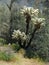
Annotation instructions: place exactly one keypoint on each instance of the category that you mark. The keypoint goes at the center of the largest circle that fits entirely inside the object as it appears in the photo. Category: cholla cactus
(16, 34)
(38, 22)
(19, 35)
(30, 10)
(30, 14)
(24, 37)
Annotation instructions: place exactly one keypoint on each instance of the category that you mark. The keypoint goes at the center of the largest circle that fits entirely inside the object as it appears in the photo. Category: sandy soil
(22, 62)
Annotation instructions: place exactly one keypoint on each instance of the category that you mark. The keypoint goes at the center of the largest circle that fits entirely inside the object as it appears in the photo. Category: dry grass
(20, 60)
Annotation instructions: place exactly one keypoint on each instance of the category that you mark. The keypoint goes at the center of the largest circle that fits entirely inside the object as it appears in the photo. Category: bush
(38, 51)
(5, 56)
(2, 41)
(15, 47)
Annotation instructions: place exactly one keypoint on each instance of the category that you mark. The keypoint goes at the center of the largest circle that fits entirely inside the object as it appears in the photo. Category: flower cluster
(19, 35)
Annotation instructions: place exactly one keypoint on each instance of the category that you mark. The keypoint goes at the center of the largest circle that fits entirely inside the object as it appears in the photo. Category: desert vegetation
(24, 31)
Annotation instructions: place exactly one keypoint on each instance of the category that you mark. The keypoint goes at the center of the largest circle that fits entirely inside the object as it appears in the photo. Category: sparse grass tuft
(15, 47)
(5, 56)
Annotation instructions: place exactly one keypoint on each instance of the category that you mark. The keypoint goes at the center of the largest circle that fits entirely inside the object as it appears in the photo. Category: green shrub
(2, 41)
(15, 47)
(5, 56)
(38, 51)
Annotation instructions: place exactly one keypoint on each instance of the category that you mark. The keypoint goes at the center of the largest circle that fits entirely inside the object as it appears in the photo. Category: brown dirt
(20, 60)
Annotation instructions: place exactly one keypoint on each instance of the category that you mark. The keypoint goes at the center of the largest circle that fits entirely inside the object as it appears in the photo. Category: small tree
(30, 14)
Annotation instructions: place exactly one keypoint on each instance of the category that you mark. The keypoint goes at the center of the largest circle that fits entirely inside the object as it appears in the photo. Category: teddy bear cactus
(31, 15)
(19, 35)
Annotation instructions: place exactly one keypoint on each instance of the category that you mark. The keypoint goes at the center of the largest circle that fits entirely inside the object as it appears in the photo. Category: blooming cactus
(19, 35)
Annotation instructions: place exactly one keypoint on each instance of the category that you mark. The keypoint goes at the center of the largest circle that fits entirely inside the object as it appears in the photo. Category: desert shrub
(2, 41)
(38, 51)
(5, 56)
(15, 47)
(39, 47)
